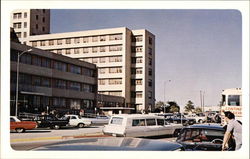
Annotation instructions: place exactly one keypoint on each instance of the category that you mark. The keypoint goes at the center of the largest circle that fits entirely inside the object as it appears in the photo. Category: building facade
(51, 81)
(125, 60)
(28, 22)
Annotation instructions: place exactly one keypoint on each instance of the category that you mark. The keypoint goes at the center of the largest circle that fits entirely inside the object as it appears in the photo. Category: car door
(152, 129)
(73, 121)
(137, 129)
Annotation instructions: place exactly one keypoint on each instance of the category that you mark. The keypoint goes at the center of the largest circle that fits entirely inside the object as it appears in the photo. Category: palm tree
(189, 107)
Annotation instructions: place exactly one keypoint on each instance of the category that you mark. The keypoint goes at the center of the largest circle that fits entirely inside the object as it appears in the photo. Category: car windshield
(116, 120)
(200, 135)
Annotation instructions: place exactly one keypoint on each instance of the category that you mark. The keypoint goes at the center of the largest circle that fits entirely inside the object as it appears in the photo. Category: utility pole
(164, 97)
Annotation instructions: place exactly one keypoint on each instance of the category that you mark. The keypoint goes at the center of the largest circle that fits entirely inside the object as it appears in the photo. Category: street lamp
(17, 74)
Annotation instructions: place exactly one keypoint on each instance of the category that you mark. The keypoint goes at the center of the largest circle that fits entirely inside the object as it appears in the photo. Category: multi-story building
(28, 22)
(125, 60)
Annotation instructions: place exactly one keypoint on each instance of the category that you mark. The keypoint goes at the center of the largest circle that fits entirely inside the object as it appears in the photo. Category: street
(39, 137)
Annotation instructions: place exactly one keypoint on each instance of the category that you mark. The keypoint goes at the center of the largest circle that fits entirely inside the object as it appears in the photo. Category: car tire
(200, 121)
(80, 125)
(56, 127)
(20, 130)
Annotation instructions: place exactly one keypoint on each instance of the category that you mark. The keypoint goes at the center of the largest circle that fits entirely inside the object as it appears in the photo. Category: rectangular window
(75, 69)
(150, 61)
(59, 41)
(102, 59)
(60, 66)
(36, 81)
(17, 25)
(67, 51)
(103, 38)
(150, 122)
(26, 58)
(136, 49)
(77, 40)
(59, 51)
(234, 100)
(95, 39)
(138, 122)
(36, 60)
(138, 94)
(115, 48)
(160, 122)
(24, 34)
(150, 95)
(76, 51)
(95, 60)
(150, 40)
(85, 50)
(136, 81)
(51, 42)
(42, 43)
(46, 62)
(150, 71)
(88, 72)
(25, 15)
(17, 15)
(115, 59)
(102, 49)
(60, 84)
(116, 121)
(34, 43)
(94, 49)
(75, 86)
(25, 24)
(102, 70)
(115, 70)
(115, 81)
(150, 83)
(150, 51)
(85, 39)
(115, 37)
(37, 17)
(68, 41)
(43, 19)
(46, 82)
(101, 81)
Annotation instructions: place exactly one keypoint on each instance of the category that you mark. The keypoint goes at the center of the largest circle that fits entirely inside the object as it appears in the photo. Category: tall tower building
(125, 59)
(27, 22)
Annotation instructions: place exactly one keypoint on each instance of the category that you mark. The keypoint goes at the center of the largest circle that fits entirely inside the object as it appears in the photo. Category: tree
(198, 110)
(189, 107)
(173, 107)
(159, 106)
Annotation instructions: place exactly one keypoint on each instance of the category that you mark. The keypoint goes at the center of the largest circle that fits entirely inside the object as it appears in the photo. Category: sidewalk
(86, 135)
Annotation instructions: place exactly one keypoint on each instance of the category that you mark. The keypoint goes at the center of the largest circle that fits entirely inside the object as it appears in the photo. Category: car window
(12, 120)
(160, 121)
(138, 122)
(73, 117)
(150, 122)
(116, 120)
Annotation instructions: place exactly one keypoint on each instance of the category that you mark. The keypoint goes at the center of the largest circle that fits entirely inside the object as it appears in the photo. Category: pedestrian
(234, 128)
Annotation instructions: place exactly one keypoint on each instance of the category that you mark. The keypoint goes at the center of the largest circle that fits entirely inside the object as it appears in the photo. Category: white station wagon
(77, 121)
(139, 125)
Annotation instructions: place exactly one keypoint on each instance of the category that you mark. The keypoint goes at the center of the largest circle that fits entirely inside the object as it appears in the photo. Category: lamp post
(17, 75)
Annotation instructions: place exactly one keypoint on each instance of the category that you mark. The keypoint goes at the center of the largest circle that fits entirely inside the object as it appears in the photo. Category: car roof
(205, 126)
(137, 116)
(112, 143)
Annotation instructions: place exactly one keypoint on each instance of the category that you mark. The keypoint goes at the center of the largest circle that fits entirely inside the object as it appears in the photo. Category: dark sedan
(112, 144)
(205, 137)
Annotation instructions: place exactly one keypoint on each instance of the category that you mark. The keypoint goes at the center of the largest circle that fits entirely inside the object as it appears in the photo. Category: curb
(59, 137)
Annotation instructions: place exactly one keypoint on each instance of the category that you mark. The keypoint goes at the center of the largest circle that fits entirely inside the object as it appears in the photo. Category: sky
(196, 50)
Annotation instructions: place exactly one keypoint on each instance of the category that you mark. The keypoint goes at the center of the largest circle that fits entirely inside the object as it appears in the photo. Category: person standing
(234, 128)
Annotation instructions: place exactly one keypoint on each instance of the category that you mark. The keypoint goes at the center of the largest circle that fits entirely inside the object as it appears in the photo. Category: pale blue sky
(195, 49)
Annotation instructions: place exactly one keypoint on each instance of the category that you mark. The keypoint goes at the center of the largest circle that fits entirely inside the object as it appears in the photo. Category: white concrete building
(28, 22)
(125, 60)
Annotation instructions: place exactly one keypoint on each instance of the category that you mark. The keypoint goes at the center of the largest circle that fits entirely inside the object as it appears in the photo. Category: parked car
(112, 144)
(20, 126)
(139, 125)
(198, 118)
(77, 121)
(202, 137)
(98, 120)
(51, 121)
(178, 119)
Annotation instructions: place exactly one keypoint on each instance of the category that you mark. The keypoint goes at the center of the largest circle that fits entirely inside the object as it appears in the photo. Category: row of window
(103, 59)
(53, 64)
(111, 81)
(110, 70)
(76, 40)
(147, 122)
(33, 80)
(139, 60)
(19, 15)
(86, 50)
(112, 93)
